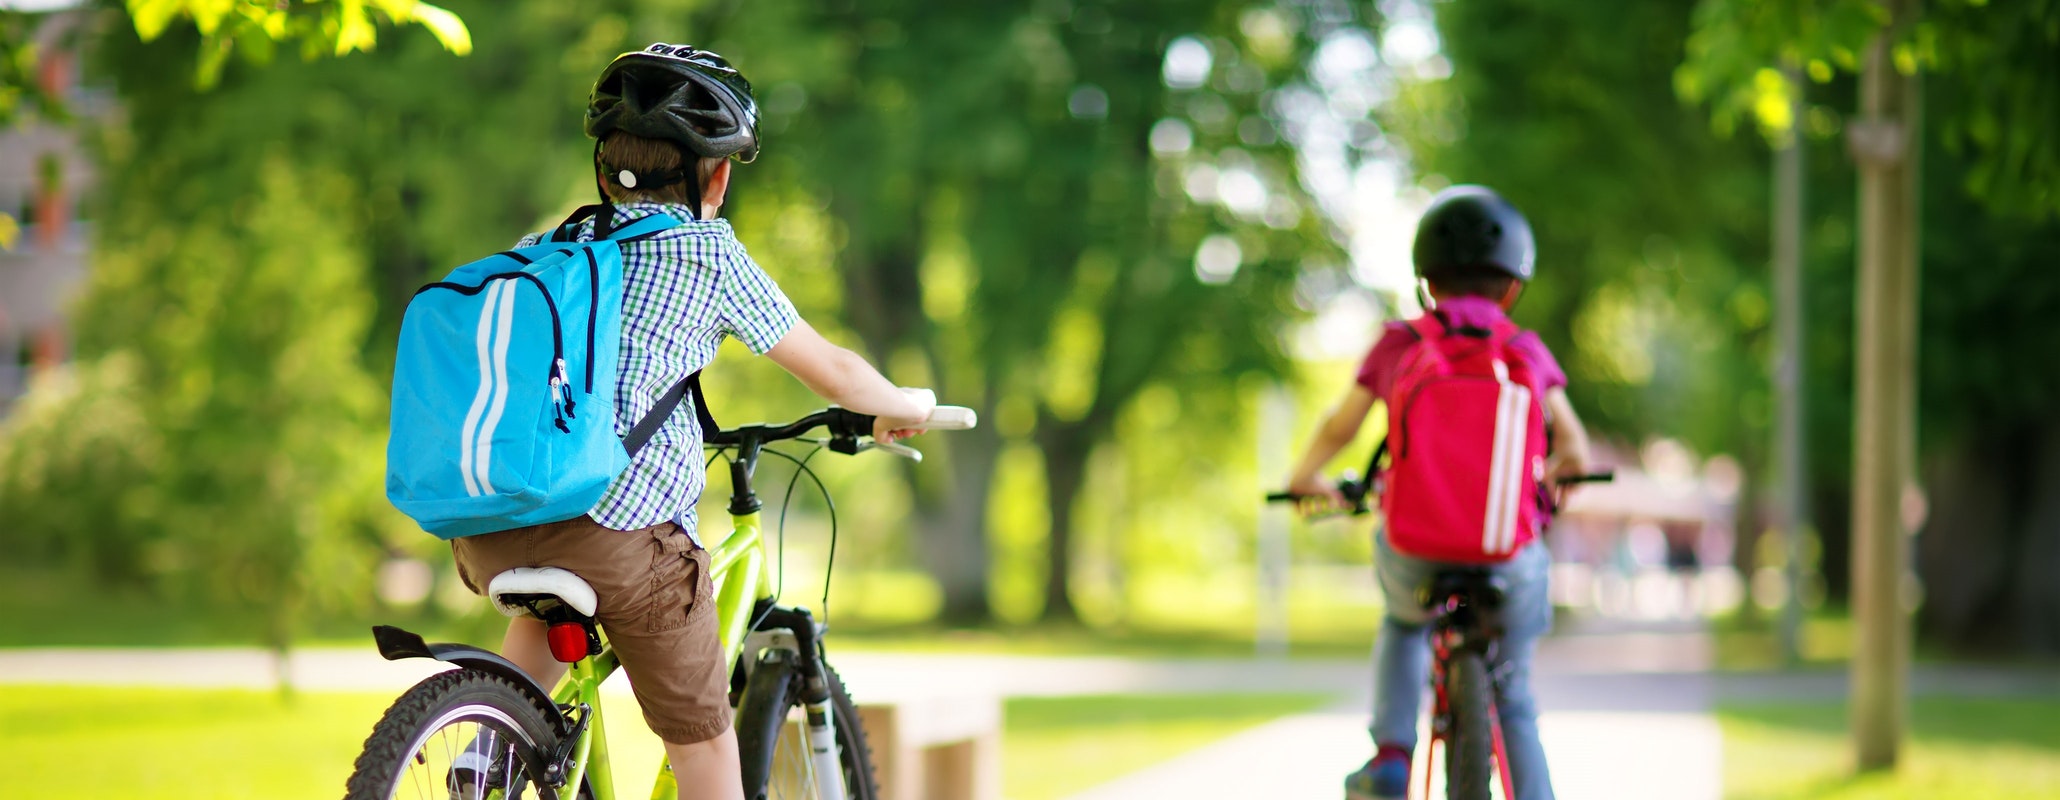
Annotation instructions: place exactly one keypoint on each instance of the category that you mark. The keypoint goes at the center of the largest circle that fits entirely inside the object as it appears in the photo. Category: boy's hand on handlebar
(1317, 496)
(1559, 472)
(890, 428)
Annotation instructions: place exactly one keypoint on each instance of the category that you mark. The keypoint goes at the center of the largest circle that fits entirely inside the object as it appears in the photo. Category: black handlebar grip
(1282, 497)
(1604, 476)
(849, 424)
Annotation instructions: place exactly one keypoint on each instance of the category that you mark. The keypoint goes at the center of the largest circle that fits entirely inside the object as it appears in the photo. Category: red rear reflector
(568, 641)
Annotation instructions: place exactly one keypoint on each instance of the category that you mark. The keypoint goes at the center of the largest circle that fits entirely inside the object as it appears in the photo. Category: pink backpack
(1466, 438)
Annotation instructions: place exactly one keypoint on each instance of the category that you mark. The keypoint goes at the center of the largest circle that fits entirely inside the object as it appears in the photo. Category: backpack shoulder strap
(644, 228)
(641, 433)
(1427, 327)
(1380, 451)
(570, 227)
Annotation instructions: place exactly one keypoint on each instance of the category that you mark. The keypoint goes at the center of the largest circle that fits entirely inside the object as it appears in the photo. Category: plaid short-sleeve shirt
(683, 291)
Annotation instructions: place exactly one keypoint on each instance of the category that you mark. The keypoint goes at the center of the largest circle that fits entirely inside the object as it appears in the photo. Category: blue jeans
(1402, 658)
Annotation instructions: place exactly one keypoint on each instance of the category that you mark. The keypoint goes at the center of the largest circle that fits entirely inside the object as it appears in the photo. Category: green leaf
(151, 17)
(445, 26)
(354, 29)
(214, 52)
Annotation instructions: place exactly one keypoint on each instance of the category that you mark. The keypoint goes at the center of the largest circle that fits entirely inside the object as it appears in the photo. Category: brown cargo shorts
(656, 605)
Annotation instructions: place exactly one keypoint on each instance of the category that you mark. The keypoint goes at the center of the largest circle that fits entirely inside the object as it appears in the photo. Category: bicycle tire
(773, 749)
(1470, 751)
(403, 740)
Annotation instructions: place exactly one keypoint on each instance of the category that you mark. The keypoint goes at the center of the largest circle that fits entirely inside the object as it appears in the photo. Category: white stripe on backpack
(1505, 464)
(500, 404)
(467, 434)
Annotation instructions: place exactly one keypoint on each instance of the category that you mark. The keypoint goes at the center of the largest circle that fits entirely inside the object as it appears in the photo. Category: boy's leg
(1402, 654)
(527, 644)
(1518, 710)
(1401, 675)
(708, 770)
(1527, 615)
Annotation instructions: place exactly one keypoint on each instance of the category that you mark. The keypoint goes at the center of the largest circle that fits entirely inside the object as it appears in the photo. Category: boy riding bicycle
(1475, 252)
(667, 120)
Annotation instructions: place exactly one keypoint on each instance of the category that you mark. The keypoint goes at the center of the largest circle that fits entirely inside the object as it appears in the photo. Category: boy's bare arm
(1570, 454)
(843, 377)
(1337, 430)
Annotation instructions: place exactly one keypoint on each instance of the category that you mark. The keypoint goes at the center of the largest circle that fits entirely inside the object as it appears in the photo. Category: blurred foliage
(256, 28)
(985, 212)
(1008, 237)
(228, 457)
(1991, 120)
(1995, 59)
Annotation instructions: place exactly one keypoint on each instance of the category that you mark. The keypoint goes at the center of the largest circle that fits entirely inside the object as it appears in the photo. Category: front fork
(795, 630)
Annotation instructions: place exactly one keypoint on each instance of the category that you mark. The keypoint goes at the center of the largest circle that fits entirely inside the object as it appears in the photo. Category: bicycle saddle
(1478, 587)
(539, 591)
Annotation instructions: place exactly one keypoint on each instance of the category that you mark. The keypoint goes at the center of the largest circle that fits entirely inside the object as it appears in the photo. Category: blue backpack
(504, 386)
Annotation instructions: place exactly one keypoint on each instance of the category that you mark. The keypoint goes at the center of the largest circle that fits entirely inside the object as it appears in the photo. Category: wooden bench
(936, 748)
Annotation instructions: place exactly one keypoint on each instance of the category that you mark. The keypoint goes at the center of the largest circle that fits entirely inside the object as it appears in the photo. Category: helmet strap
(648, 181)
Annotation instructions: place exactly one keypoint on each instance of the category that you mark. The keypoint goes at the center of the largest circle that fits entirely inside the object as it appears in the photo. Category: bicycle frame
(741, 574)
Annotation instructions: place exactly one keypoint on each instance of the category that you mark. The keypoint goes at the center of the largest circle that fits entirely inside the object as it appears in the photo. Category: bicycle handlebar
(846, 427)
(1356, 490)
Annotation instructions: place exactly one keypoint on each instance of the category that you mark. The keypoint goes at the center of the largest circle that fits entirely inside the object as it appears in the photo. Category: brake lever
(902, 450)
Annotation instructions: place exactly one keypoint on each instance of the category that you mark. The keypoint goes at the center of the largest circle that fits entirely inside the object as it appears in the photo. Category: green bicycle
(487, 731)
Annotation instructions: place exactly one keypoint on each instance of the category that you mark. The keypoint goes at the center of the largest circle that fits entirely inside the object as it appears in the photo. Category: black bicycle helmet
(1472, 226)
(677, 93)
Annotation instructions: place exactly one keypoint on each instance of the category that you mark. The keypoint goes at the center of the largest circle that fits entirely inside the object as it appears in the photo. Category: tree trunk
(1747, 525)
(2035, 594)
(1066, 448)
(1964, 553)
(952, 525)
(883, 305)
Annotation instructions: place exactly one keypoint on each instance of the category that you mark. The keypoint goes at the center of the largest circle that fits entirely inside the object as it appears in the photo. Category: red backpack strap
(1428, 328)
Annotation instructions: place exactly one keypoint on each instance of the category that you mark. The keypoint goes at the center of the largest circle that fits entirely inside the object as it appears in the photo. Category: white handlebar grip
(952, 418)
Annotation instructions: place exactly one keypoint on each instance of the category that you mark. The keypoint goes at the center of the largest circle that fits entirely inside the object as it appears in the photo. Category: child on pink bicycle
(1470, 399)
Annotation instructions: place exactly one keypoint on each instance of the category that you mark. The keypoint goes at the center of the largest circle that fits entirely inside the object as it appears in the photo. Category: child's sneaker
(475, 772)
(1385, 777)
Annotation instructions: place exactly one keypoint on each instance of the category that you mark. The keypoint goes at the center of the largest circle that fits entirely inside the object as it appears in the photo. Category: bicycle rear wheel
(459, 735)
(772, 737)
(1469, 752)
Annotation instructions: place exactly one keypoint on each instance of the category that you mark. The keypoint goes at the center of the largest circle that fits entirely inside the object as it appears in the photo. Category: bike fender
(396, 644)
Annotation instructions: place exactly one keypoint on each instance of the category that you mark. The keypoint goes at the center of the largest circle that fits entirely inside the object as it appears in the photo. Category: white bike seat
(570, 589)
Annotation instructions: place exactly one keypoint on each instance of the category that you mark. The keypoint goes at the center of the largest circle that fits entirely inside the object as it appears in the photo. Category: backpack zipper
(593, 310)
(561, 389)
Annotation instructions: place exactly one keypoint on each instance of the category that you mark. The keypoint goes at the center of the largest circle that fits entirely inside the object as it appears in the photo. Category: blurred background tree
(1990, 454)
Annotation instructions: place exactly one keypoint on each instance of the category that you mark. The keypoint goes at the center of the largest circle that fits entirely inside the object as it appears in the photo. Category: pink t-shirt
(1377, 374)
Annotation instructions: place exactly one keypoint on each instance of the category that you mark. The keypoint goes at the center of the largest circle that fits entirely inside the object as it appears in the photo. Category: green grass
(172, 744)
(152, 743)
(1826, 640)
(1054, 747)
(1958, 748)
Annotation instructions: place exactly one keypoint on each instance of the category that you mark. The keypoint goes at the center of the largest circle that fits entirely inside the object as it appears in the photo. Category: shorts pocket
(674, 576)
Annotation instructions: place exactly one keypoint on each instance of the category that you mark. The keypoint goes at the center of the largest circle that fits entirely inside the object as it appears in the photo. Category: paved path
(1627, 716)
